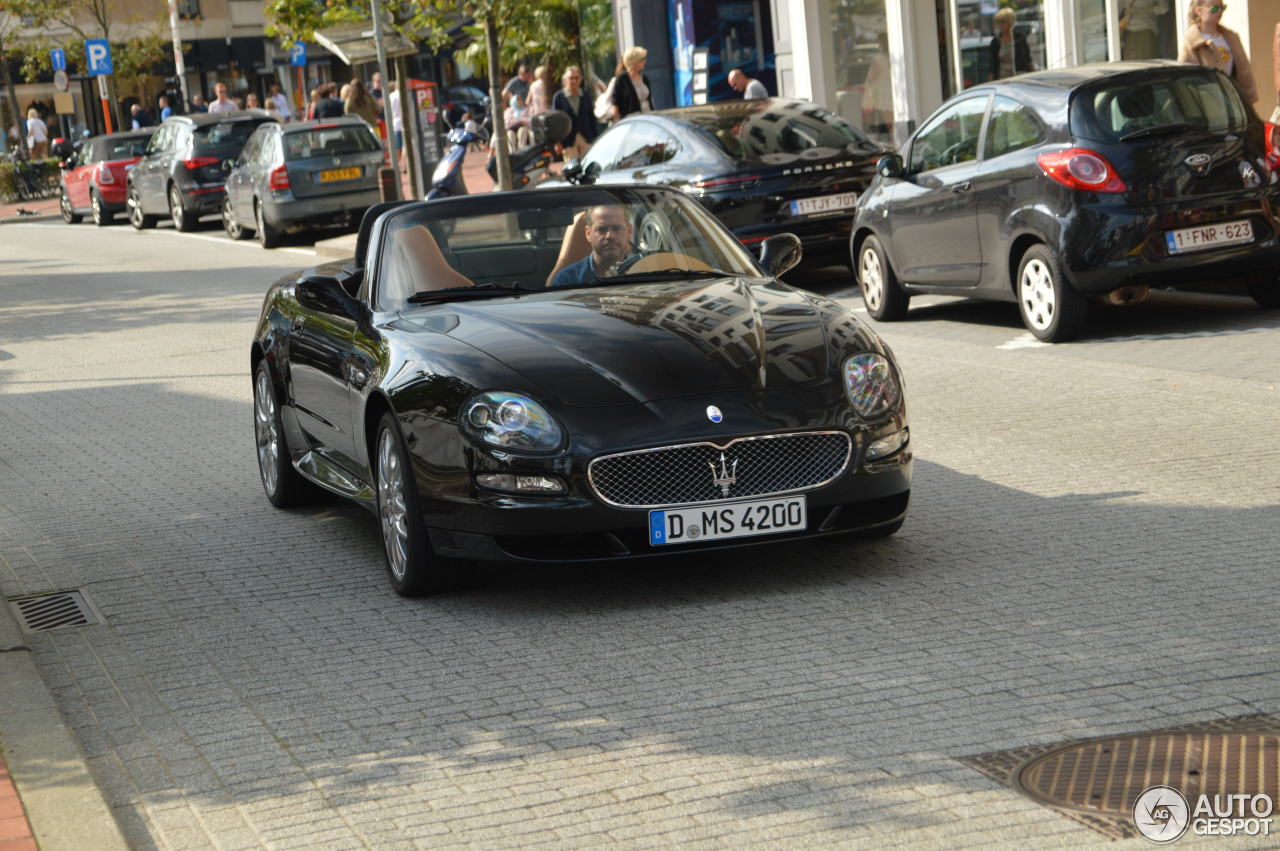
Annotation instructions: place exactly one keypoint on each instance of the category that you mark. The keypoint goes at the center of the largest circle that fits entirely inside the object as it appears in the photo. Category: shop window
(1148, 29)
(864, 94)
(189, 9)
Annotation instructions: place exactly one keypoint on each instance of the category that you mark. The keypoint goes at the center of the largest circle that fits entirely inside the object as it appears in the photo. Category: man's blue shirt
(582, 272)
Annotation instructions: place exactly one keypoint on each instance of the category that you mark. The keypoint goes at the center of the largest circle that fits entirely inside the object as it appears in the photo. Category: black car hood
(642, 342)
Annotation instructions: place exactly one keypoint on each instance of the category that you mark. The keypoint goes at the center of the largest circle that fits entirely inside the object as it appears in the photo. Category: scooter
(531, 164)
(446, 180)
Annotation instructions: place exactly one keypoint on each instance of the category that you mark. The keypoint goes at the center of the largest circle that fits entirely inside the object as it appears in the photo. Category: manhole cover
(1106, 776)
(43, 612)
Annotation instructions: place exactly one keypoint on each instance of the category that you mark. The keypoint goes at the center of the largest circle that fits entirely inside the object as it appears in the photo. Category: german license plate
(339, 174)
(1208, 236)
(733, 520)
(824, 204)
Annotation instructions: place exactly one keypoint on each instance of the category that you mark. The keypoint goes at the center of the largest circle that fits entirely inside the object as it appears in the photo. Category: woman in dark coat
(631, 90)
(1010, 53)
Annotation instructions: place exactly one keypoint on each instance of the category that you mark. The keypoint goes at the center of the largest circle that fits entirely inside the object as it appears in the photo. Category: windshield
(551, 239)
(1191, 100)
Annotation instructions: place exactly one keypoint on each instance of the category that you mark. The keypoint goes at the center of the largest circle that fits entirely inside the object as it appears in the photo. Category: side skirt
(333, 477)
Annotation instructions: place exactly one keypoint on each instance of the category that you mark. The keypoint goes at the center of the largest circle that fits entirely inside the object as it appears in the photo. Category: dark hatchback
(762, 167)
(300, 175)
(181, 175)
(1096, 181)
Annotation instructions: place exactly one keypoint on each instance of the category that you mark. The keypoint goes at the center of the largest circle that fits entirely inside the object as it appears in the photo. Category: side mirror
(572, 169)
(890, 165)
(325, 294)
(780, 253)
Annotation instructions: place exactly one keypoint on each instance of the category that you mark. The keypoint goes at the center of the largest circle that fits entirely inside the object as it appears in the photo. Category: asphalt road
(1091, 549)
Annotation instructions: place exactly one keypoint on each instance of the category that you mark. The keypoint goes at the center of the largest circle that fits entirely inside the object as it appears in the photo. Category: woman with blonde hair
(37, 135)
(1212, 45)
(1010, 53)
(631, 90)
(539, 91)
(360, 102)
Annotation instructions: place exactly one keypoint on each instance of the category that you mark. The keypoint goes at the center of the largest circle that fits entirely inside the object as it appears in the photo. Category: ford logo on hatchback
(1198, 163)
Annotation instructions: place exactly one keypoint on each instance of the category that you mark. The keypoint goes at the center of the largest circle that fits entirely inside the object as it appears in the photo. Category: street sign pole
(106, 101)
(382, 69)
(180, 67)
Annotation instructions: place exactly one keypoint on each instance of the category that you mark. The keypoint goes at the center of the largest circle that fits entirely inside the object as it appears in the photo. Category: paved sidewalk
(15, 830)
(43, 209)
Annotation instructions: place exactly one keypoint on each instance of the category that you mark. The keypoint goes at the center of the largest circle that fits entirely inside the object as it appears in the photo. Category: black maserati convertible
(508, 377)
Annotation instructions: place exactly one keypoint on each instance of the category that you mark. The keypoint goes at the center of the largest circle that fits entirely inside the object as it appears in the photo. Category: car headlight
(870, 384)
(511, 421)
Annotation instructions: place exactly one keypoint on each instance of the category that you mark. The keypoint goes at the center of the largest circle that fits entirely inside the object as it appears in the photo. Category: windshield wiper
(1159, 130)
(478, 291)
(666, 274)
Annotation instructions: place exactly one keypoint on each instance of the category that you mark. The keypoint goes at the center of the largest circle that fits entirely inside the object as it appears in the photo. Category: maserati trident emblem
(713, 414)
(726, 476)
(1198, 163)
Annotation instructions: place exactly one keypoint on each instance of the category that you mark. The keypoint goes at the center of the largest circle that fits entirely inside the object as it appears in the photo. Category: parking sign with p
(97, 54)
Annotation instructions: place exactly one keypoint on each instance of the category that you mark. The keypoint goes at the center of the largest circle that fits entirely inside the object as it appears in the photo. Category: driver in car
(609, 234)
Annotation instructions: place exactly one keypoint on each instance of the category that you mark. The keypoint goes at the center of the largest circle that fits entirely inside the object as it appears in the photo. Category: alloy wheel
(392, 510)
(229, 223)
(176, 211)
(65, 205)
(264, 427)
(871, 276)
(135, 210)
(95, 203)
(1035, 291)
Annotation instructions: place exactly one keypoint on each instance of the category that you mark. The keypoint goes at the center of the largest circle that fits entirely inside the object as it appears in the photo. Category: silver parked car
(294, 176)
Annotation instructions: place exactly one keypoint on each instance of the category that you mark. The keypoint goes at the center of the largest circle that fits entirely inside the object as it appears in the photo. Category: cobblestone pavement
(1091, 549)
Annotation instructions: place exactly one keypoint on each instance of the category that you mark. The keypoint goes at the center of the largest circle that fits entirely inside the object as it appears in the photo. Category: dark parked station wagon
(1095, 181)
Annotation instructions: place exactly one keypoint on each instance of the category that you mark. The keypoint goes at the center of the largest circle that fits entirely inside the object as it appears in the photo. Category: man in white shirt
(751, 89)
(282, 103)
(222, 103)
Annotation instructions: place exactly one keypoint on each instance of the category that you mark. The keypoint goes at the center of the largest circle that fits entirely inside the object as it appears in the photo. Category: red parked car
(93, 181)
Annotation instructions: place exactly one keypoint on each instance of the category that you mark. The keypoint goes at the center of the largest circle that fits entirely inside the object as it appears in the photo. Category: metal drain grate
(1096, 782)
(43, 612)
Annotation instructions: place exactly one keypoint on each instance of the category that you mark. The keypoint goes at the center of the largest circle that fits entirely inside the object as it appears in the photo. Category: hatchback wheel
(101, 217)
(1051, 309)
(182, 220)
(137, 218)
(268, 236)
(68, 214)
(284, 485)
(230, 223)
(413, 568)
(884, 298)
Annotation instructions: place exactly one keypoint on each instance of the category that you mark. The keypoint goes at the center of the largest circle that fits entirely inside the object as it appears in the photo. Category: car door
(152, 182)
(1006, 180)
(77, 178)
(240, 180)
(141, 175)
(934, 226)
(319, 362)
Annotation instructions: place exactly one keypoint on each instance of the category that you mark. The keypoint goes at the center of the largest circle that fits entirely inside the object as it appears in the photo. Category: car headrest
(1136, 103)
(366, 228)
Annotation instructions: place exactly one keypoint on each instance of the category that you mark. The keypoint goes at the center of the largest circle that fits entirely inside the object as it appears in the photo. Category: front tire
(284, 486)
(413, 568)
(268, 236)
(230, 223)
(68, 214)
(137, 218)
(1051, 309)
(885, 300)
(182, 220)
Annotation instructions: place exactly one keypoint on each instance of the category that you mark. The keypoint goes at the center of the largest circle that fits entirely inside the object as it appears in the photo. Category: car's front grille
(700, 472)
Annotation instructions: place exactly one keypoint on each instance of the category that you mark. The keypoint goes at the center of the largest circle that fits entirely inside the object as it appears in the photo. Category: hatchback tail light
(103, 176)
(199, 162)
(1272, 133)
(730, 181)
(278, 179)
(1080, 168)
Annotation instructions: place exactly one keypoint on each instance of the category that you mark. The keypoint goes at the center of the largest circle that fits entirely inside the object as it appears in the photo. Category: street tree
(15, 17)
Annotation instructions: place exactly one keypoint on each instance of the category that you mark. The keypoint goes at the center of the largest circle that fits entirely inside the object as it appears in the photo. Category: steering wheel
(625, 266)
(660, 260)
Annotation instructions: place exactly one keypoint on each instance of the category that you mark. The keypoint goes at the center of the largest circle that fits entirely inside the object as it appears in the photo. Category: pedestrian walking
(222, 101)
(516, 122)
(375, 87)
(518, 85)
(575, 102)
(1010, 53)
(1207, 42)
(198, 104)
(751, 89)
(251, 101)
(283, 107)
(360, 102)
(631, 90)
(540, 91)
(139, 117)
(165, 109)
(397, 122)
(37, 135)
(329, 106)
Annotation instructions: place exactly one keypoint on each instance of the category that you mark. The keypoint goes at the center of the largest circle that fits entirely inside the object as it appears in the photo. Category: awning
(354, 44)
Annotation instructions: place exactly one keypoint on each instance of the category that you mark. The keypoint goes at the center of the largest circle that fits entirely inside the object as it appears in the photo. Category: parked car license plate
(824, 204)
(1208, 236)
(339, 174)
(732, 520)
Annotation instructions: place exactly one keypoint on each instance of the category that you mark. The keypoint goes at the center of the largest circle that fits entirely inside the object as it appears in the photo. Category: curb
(39, 217)
(64, 806)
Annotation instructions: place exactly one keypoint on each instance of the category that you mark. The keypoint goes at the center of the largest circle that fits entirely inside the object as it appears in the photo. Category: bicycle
(34, 181)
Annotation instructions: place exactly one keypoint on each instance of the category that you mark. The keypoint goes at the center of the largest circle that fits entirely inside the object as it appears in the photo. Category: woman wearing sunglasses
(1209, 43)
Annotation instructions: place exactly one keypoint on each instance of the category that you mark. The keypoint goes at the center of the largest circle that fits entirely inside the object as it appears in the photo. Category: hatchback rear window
(225, 133)
(329, 141)
(1159, 105)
